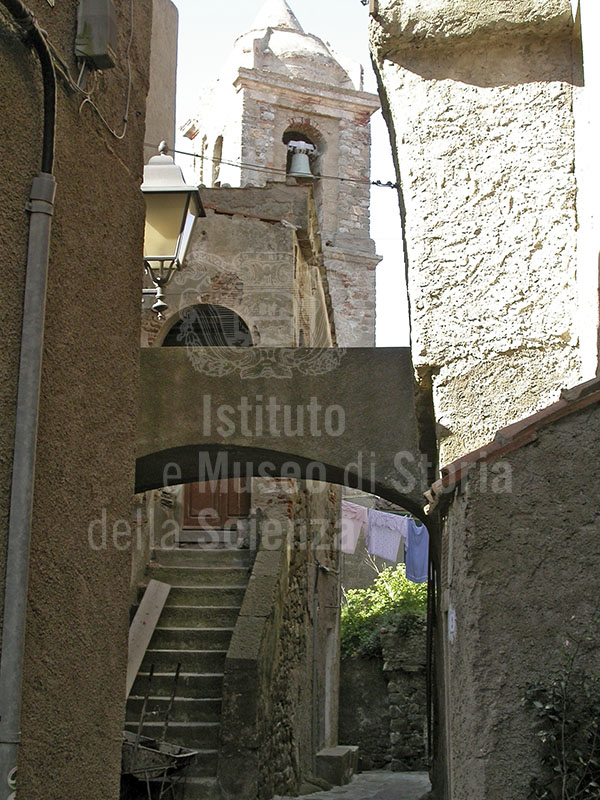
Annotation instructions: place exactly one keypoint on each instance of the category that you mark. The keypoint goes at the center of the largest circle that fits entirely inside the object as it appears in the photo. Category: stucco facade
(519, 588)
(492, 159)
(77, 612)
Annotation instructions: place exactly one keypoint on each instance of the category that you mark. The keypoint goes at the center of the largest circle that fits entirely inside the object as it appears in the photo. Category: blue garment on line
(417, 552)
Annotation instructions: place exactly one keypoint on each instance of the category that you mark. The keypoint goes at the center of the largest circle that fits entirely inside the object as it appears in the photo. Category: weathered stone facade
(282, 82)
(404, 669)
(479, 99)
(280, 694)
(257, 252)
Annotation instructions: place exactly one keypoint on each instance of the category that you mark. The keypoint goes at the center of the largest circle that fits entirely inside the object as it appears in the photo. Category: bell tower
(286, 110)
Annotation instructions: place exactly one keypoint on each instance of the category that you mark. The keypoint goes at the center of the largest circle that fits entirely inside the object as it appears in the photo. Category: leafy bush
(391, 600)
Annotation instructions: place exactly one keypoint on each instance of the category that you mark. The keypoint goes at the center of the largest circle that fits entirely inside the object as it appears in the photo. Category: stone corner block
(338, 764)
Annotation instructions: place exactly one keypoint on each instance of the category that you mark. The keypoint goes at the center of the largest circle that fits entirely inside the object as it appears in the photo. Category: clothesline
(387, 535)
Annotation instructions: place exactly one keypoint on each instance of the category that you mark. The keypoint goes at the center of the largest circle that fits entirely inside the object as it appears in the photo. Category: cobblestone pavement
(376, 785)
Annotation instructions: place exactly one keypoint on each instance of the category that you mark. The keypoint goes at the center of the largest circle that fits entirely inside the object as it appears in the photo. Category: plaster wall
(77, 613)
(587, 171)
(160, 119)
(521, 583)
(479, 101)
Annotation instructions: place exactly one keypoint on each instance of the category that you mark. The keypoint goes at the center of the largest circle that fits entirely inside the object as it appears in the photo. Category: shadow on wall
(514, 61)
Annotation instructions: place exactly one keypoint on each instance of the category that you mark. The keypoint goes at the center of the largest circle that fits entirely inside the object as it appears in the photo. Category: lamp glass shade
(166, 215)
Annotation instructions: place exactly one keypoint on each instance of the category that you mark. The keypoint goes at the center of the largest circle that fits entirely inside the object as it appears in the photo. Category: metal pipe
(25, 19)
(21, 499)
(41, 209)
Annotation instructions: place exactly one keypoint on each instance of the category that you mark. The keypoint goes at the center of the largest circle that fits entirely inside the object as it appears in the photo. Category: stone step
(197, 557)
(188, 616)
(194, 735)
(199, 576)
(204, 765)
(227, 538)
(201, 789)
(191, 638)
(201, 662)
(190, 684)
(185, 709)
(205, 596)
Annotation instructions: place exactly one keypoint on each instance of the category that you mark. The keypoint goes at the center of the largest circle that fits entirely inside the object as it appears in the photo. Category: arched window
(207, 325)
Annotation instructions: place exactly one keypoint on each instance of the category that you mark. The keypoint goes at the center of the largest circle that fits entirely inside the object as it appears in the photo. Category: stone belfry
(283, 85)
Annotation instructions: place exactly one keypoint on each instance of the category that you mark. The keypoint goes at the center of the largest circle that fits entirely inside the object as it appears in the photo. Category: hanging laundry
(353, 519)
(417, 553)
(386, 533)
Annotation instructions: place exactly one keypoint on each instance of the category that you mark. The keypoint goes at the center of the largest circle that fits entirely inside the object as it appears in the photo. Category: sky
(205, 41)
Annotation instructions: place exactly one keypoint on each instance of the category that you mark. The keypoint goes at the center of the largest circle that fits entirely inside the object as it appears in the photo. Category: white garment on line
(386, 533)
(353, 519)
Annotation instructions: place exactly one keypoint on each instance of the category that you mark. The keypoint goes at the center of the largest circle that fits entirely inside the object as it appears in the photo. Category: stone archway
(341, 416)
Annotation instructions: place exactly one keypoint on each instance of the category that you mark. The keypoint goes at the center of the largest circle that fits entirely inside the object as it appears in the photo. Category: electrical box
(97, 32)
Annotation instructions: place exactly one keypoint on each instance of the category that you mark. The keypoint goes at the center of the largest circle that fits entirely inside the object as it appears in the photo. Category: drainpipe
(40, 208)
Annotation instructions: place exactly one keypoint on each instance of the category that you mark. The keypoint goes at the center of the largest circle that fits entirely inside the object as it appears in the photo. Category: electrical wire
(63, 70)
(89, 101)
(278, 170)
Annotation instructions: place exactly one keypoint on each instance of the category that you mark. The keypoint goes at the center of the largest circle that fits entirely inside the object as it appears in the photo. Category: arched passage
(257, 411)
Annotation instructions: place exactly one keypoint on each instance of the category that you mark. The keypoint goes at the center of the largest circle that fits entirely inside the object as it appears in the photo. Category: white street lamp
(172, 207)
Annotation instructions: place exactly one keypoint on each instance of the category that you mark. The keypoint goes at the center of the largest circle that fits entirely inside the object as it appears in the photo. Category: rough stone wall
(272, 685)
(522, 581)
(479, 101)
(404, 669)
(365, 711)
(256, 253)
(382, 702)
(77, 616)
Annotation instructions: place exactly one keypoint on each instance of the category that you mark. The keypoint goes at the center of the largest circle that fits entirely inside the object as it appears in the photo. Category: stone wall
(521, 585)
(77, 614)
(382, 702)
(404, 669)
(257, 252)
(280, 689)
(479, 101)
(365, 711)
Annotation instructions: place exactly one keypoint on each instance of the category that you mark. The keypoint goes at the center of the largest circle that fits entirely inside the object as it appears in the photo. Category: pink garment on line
(353, 519)
(386, 533)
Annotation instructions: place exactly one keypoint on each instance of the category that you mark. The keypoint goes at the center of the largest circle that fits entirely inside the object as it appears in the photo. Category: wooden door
(212, 504)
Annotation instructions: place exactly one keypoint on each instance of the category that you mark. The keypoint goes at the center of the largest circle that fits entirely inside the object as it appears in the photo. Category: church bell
(300, 164)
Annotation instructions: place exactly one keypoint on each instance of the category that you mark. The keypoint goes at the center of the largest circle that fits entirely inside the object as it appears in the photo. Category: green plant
(566, 721)
(391, 600)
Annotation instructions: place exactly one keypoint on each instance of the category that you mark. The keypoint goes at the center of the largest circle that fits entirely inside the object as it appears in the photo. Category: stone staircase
(194, 630)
